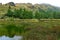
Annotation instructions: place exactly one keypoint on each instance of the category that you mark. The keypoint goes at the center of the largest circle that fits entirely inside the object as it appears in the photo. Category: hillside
(44, 7)
(47, 9)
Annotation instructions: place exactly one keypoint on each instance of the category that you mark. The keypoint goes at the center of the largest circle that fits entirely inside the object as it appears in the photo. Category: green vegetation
(22, 13)
(33, 22)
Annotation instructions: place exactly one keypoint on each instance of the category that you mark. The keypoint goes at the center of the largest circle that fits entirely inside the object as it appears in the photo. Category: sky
(52, 2)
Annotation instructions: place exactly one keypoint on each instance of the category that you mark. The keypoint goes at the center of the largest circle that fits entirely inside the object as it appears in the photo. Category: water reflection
(8, 38)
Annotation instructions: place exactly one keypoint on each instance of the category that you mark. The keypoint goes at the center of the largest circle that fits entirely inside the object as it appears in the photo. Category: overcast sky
(52, 2)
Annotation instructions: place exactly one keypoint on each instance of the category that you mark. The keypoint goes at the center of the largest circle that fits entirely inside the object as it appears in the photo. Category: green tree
(37, 15)
(9, 12)
(16, 13)
(27, 14)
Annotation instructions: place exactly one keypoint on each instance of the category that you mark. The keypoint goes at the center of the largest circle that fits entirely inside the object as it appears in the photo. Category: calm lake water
(8, 38)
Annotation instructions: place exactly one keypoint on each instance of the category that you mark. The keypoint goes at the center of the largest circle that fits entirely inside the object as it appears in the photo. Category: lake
(8, 38)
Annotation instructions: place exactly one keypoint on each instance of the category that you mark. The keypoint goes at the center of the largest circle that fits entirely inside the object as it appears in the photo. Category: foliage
(23, 13)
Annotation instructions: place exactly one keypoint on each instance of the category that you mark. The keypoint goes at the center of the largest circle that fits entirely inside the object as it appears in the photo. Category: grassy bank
(31, 29)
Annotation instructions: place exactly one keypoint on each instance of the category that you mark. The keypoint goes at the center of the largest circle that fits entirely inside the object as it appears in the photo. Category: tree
(57, 15)
(9, 13)
(27, 14)
(37, 15)
(16, 14)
